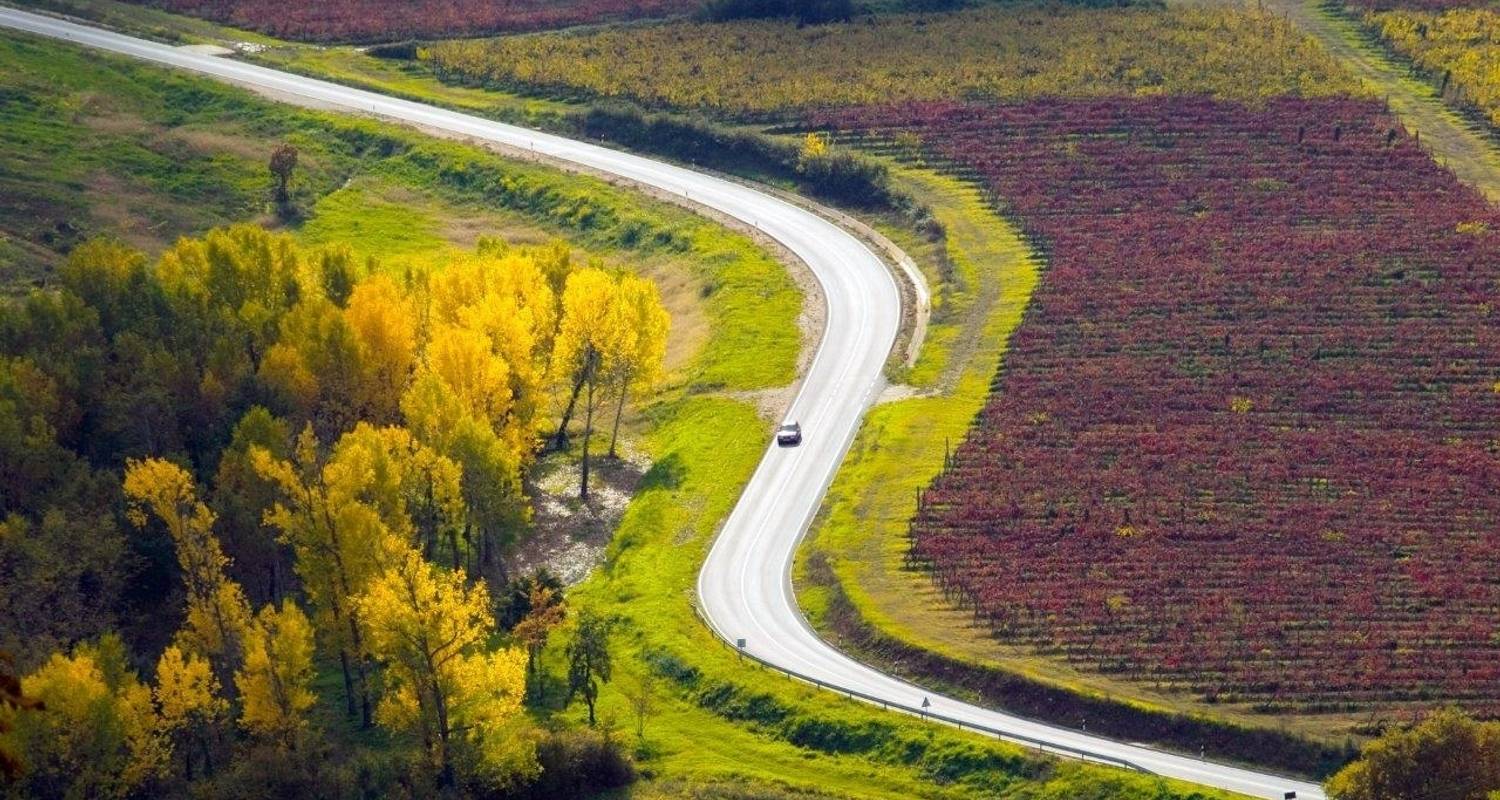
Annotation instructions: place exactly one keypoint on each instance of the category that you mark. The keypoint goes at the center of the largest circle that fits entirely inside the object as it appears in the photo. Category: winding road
(745, 587)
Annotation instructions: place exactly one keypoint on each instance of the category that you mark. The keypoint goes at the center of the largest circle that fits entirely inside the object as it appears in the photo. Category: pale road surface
(745, 587)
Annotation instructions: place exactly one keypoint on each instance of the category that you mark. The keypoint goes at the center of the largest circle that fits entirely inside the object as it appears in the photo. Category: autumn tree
(189, 707)
(275, 681)
(283, 162)
(217, 612)
(241, 497)
(545, 613)
(12, 702)
(1448, 755)
(338, 540)
(589, 339)
(429, 627)
(479, 385)
(345, 516)
(98, 735)
(385, 331)
(589, 663)
(641, 346)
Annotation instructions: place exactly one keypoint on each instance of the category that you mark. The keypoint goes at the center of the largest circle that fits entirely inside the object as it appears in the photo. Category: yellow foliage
(385, 326)
(429, 627)
(187, 693)
(993, 53)
(99, 730)
(278, 670)
(1461, 43)
(217, 611)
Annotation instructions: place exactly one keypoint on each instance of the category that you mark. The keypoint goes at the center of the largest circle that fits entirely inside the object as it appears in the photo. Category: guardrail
(1049, 748)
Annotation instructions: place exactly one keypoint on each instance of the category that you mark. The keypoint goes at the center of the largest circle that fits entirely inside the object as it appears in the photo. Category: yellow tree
(588, 339)
(274, 683)
(385, 329)
(97, 734)
(343, 517)
(188, 705)
(337, 540)
(429, 627)
(641, 346)
(217, 612)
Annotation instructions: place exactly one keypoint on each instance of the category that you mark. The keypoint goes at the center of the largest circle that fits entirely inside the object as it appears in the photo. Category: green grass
(99, 145)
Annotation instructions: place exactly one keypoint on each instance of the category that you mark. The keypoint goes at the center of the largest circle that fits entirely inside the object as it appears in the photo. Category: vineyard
(773, 67)
(1244, 443)
(387, 20)
(1459, 47)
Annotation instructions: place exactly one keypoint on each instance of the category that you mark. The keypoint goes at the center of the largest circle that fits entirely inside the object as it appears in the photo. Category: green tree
(12, 702)
(589, 662)
(1448, 756)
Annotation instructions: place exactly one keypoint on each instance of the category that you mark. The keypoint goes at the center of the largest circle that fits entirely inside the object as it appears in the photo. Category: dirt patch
(569, 535)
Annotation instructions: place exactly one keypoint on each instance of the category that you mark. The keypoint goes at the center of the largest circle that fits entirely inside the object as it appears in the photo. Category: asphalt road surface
(745, 586)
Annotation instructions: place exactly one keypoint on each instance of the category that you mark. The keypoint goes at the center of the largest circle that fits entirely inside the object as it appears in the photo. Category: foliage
(1110, 454)
(839, 176)
(589, 661)
(429, 628)
(575, 765)
(806, 12)
(1446, 755)
(387, 20)
(217, 612)
(13, 701)
(98, 733)
(274, 682)
(775, 67)
(1460, 47)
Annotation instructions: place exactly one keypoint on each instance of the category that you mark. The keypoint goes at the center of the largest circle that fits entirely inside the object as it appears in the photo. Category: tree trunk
(348, 680)
(560, 439)
(614, 435)
(361, 671)
(588, 431)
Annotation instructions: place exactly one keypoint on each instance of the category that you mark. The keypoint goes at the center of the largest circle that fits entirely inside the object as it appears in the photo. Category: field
(1457, 47)
(1241, 442)
(389, 20)
(761, 68)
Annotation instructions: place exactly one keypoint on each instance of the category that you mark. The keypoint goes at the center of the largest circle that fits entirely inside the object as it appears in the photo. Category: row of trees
(363, 433)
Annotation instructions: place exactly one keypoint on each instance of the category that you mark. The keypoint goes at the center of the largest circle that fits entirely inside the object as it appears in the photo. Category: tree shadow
(667, 473)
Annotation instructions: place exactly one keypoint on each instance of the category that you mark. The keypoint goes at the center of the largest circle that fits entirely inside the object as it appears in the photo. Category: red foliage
(1416, 5)
(1245, 440)
(389, 20)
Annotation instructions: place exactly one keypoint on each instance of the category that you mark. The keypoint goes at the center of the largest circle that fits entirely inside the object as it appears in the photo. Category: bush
(835, 176)
(807, 12)
(576, 764)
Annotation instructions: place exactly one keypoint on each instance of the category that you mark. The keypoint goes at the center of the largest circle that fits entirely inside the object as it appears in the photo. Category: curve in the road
(744, 587)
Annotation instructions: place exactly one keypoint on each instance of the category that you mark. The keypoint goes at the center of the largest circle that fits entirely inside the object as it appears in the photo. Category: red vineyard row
(390, 20)
(1245, 440)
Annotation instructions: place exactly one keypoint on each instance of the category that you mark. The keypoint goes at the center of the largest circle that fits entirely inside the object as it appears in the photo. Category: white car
(789, 434)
